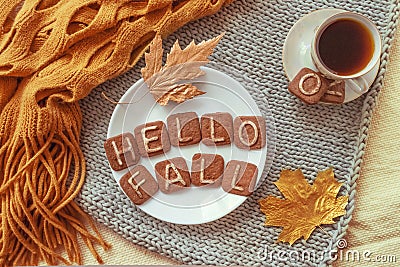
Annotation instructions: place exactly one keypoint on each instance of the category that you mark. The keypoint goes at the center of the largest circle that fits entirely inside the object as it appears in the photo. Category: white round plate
(193, 205)
(297, 47)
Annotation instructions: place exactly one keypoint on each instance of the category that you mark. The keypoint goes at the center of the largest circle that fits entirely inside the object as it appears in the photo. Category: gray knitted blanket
(308, 137)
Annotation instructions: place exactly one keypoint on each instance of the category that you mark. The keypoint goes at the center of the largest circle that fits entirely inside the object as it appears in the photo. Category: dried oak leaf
(305, 207)
(165, 82)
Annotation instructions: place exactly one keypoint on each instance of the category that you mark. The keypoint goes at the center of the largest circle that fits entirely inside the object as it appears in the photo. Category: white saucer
(194, 205)
(297, 47)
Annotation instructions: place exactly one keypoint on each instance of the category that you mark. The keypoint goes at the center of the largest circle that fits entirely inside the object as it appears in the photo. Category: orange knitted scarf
(52, 53)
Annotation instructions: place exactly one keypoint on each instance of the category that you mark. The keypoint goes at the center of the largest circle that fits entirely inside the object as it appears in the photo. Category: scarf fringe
(39, 217)
(68, 48)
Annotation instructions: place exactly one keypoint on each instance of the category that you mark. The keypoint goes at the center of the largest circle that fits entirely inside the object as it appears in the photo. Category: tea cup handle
(358, 85)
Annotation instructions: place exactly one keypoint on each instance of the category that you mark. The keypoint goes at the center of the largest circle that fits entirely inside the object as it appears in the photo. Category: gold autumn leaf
(168, 82)
(305, 207)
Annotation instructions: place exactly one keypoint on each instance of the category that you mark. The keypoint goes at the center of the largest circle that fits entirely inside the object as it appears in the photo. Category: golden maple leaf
(164, 82)
(305, 207)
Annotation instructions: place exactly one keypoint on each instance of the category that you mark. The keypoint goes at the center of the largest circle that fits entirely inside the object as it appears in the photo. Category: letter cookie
(207, 169)
(121, 151)
(309, 86)
(239, 178)
(217, 129)
(335, 93)
(172, 175)
(139, 185)
(152, 139)
(249, 132)
(184, 129)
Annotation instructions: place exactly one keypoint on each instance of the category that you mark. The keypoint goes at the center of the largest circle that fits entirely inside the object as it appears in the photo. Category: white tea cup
(330, 37)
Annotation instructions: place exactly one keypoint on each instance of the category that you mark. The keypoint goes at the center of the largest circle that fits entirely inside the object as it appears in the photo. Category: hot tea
(345, 47)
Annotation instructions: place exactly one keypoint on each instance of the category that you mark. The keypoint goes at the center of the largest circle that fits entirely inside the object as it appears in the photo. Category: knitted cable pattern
(52, 53)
